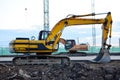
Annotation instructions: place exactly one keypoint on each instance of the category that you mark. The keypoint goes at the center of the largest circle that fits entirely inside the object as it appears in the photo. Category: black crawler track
(38, 60)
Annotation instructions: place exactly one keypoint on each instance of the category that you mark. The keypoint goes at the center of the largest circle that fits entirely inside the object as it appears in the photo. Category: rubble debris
(74, 71)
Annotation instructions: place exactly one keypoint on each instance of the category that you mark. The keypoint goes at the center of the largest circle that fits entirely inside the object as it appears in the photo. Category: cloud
(14, 16)
(116, 34)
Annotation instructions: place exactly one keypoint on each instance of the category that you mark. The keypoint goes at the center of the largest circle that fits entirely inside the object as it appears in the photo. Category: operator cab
(43, 35)
(69, 44)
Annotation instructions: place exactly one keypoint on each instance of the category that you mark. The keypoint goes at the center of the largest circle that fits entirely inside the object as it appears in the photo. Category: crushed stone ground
(73, 71)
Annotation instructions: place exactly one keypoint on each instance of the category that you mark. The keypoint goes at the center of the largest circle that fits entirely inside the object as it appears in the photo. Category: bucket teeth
(103, 56)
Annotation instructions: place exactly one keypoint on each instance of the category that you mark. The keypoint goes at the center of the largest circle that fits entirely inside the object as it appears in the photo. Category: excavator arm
(104, 55)
(107, 29)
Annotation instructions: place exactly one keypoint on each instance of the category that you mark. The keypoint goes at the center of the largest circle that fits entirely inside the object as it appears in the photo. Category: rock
(117, 77)
(109, 77)
(110, 70)
(24, 74)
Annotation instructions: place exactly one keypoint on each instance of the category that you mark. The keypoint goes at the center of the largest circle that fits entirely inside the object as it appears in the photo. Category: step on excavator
(40, 51)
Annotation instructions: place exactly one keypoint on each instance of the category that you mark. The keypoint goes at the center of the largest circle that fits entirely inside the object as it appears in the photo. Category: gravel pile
(74, 71)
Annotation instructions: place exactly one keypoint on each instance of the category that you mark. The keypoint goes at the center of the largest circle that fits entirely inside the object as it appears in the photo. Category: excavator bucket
(103, 56)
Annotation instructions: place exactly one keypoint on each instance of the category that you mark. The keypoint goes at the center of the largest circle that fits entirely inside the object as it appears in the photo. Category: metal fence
(5, 50)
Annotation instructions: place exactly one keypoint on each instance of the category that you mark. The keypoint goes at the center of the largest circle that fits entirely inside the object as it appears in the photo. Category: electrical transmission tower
(46, 14)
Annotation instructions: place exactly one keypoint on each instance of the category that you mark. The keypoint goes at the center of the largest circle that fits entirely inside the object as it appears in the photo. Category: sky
(16, 21)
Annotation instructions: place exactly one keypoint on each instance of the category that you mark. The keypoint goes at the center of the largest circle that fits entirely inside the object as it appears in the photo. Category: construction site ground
(82, 70)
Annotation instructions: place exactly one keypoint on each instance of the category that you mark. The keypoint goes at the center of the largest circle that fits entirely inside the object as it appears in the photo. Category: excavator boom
(70, 22)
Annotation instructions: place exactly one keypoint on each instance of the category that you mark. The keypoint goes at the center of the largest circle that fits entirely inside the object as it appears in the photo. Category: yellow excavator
(71, 46)
(48, 42)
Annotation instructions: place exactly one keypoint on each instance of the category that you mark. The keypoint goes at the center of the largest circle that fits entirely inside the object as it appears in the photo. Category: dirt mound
(74, 71)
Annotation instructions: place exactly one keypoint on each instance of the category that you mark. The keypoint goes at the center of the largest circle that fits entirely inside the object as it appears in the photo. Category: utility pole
(46, 14)
(93, 26)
